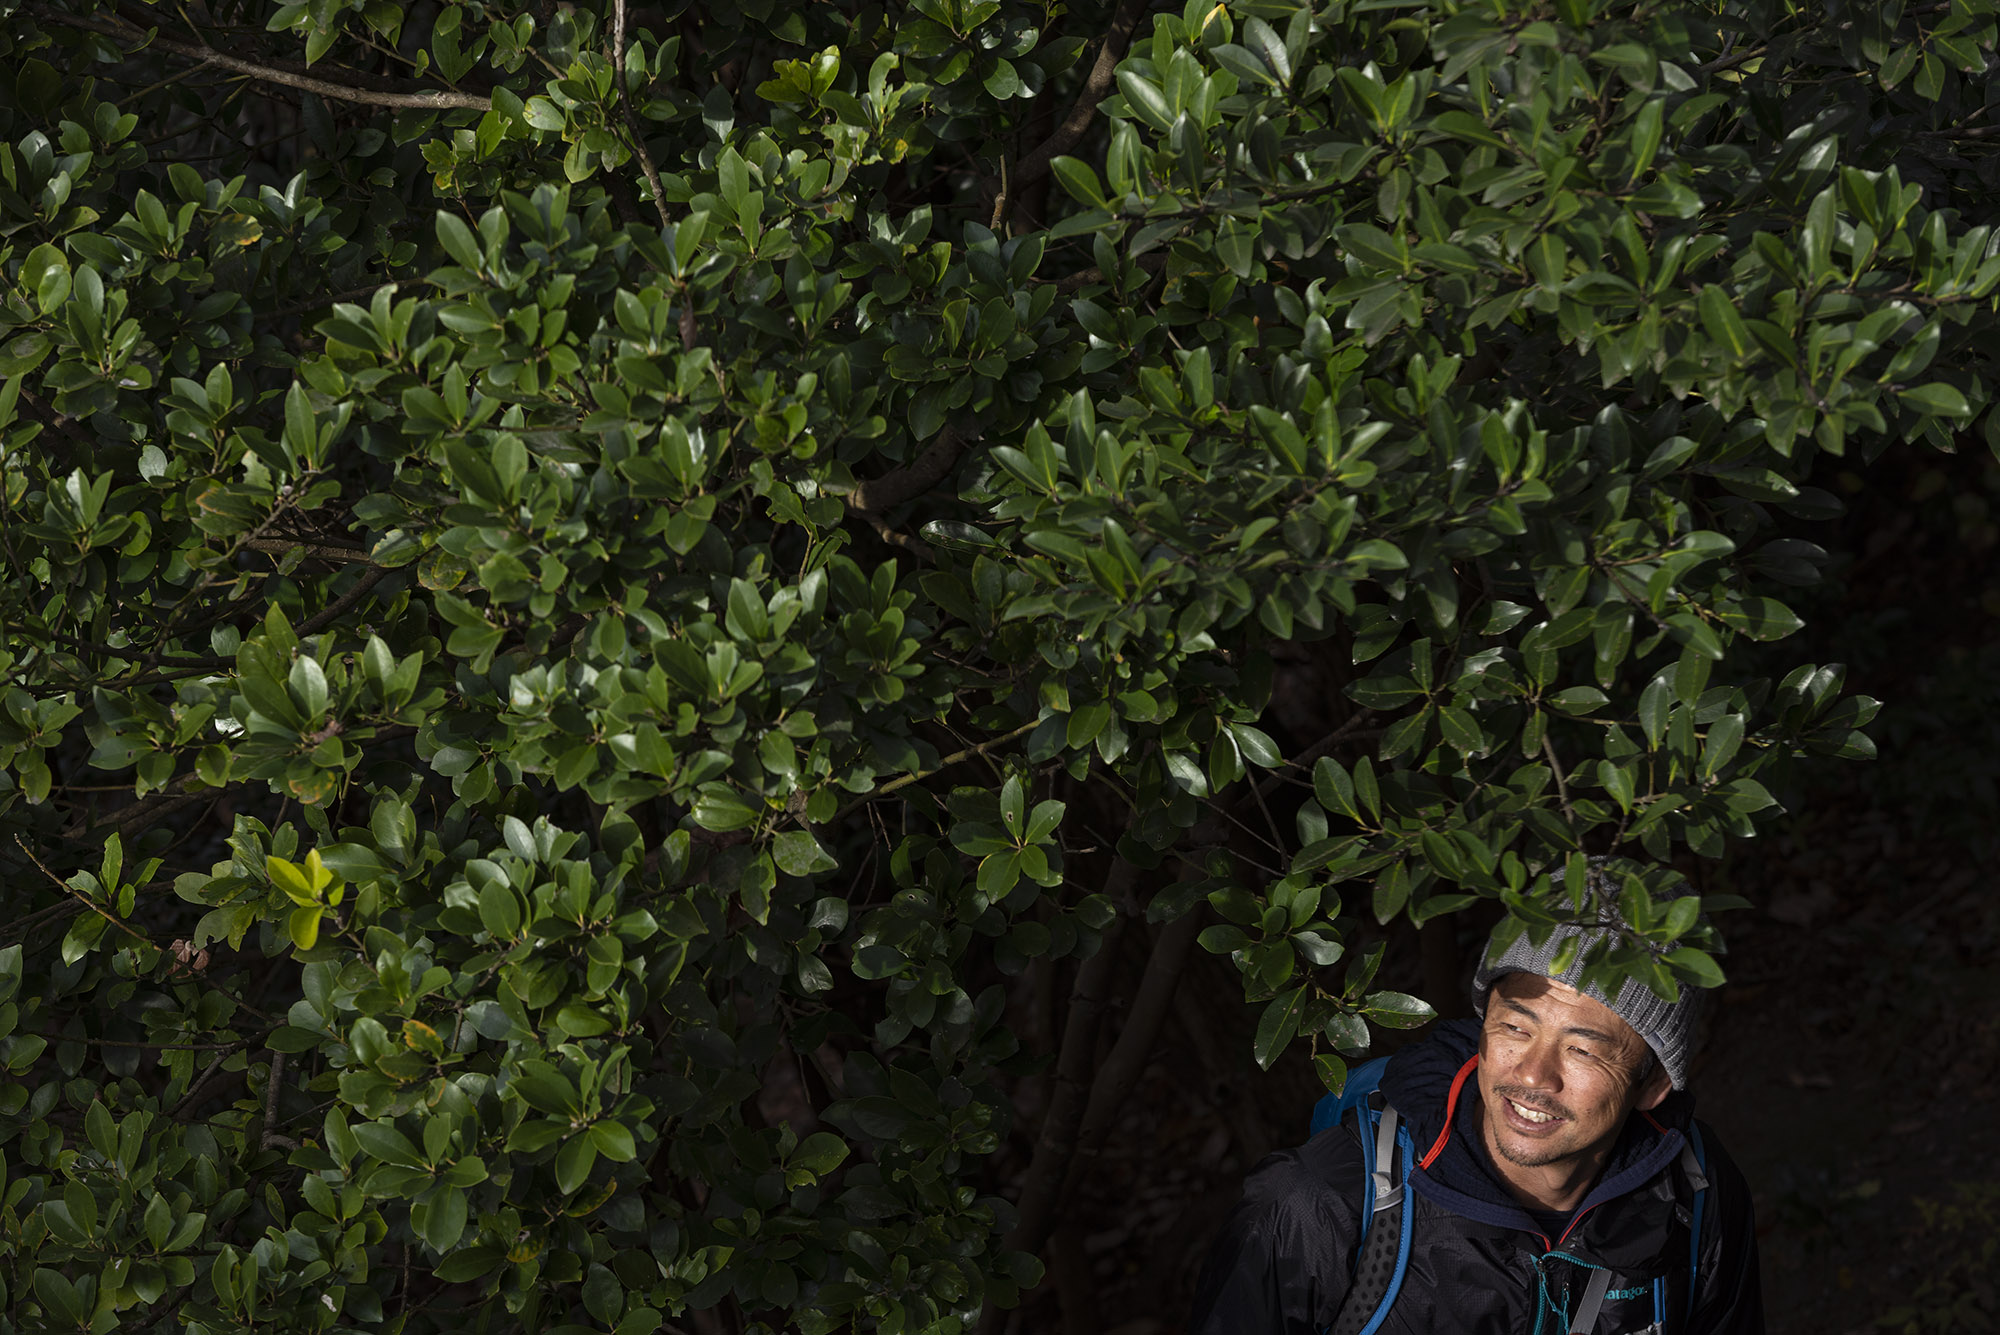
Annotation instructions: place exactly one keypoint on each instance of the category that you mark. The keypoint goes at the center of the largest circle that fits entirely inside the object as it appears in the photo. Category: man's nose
(1539, 1067)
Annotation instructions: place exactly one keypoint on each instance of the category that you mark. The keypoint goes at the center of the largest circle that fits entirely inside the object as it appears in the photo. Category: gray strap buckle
(1388, 1193)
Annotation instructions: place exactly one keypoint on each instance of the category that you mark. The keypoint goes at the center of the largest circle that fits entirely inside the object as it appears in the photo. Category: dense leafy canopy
(554, 561)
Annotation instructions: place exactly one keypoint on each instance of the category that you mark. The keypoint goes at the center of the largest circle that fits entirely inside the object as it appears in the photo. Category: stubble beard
(1534, 1154)
(1540, 1156)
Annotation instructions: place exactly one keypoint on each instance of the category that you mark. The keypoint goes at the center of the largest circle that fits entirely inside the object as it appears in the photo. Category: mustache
(1528, 1098)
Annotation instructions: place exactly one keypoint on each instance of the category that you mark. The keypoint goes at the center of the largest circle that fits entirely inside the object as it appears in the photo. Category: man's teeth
(1529, 1114)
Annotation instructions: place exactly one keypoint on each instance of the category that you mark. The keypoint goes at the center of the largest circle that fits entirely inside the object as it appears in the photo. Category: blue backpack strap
(1367, 1122)
(1357, 1096)
(1694, 1163)
(1384, 1254)
(1361, 1082)
(1409, 1213)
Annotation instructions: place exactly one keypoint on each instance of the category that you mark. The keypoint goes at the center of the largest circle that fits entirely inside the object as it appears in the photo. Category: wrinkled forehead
(1561, 1006)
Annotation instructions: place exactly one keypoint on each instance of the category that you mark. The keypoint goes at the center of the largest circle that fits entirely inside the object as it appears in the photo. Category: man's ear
(1654, 1089)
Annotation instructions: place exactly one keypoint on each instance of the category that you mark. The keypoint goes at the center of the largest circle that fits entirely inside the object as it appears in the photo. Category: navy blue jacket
(1480, 1263)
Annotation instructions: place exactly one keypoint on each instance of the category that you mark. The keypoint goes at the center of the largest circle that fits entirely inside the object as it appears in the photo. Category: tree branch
(318, 551)
(80, 898)
(1121, 1070)
(200, 1083)
(1305, 759)
(1152, 263)
(1096, 87)
(132, 655)
(625, 112)
(436, 100)
(146, 812)
(903, 781)
(884, 493)
(1555, 767)
(326, 616)
(273, 1082)
(135, 1043)
(1049, 1169)
(316, 303)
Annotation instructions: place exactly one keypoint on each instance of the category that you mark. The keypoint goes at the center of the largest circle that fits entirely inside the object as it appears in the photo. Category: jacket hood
(1457, 1173)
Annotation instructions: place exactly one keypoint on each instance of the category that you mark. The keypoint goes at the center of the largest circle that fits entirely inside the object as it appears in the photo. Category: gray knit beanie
(1667, 1026)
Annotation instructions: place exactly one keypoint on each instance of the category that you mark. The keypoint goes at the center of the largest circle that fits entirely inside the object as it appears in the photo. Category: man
(1552, 1191)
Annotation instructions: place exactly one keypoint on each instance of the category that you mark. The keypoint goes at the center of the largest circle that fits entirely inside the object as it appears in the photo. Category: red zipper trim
(1575, 1219)
(1450, 1112)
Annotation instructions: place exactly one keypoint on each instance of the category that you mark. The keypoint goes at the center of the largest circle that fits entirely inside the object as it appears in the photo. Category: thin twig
(1152, 262)
(20, 929)
(134, 1043)
(179, 666)
(324, 299)
(1003, 199)
(1555, 767)
(199, 1086)
(152, 656)
(82, 899)
(639, 148)
(435, 100)
(325, 617)
(1307, 758)
(1277, 837)
(906, 780)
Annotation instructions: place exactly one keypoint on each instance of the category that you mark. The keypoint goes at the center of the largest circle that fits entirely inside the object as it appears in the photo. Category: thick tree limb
(873, 498)
(317, 551)
(273, 1083)
(1096, 87)
(881, 494)
(1049, 1169)
(1076, 1296)
(430, 100)
(1122, 1069)
(1225, 1061)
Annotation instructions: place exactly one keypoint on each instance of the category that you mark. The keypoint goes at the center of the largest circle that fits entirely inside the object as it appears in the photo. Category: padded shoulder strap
(1385, 1246)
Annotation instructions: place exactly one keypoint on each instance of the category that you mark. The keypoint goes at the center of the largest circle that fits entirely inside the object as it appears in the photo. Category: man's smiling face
(1559, 1072)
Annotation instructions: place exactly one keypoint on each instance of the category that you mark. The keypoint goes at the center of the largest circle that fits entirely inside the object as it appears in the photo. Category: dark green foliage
(495, 661)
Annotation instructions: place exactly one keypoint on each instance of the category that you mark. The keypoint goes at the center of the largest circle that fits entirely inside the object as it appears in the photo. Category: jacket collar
(1434, 1088)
